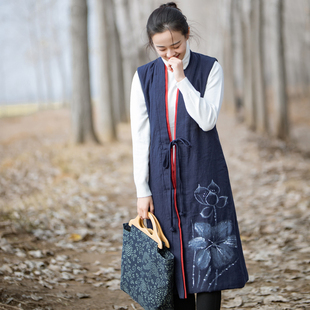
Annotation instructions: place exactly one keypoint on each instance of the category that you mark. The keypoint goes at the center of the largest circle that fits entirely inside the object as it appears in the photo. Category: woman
(179, 168)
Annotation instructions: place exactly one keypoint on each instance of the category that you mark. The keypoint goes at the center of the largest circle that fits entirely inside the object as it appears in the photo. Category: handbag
(147, 267)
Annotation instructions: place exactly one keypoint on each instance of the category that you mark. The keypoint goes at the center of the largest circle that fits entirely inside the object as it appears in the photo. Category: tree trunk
(140, 10)
(36, 59)
(128, 47)
(229, 92)
(237, 59)
(105, 103)
(249, 105)
(59, 57)
(44, 47)
(305, 61)
(3, 89)
(279, 74)
(62, 72)
(117, 69)
(258, 75)
(82, 121)
(35, 49)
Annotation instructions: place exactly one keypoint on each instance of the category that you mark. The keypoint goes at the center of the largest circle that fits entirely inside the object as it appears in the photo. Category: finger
(144, 214)
(152, 207)
(140, 212)
(174, 60)
(140, 209)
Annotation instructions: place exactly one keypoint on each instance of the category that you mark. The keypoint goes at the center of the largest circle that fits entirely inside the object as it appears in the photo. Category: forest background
(66, 182)
(263, 46)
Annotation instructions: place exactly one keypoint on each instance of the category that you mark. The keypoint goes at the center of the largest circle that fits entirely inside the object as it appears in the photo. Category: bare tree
(128, 46)
(29, 13)
(117, 74)
(257, 61)
(105, 103)
(43, 28)
(237, 56)
(306, 49)
(38, 18)
(279, 74)
(247, 65)
(2, 74)
(81, 100)
(229, 91)
(57, 51)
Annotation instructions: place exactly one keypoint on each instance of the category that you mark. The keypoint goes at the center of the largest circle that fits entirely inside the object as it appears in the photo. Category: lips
(176, 56)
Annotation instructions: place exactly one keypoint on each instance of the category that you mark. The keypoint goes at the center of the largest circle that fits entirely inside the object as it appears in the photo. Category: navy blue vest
(192, 194)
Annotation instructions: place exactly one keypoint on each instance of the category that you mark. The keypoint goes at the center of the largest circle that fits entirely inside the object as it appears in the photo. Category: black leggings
(205, 301)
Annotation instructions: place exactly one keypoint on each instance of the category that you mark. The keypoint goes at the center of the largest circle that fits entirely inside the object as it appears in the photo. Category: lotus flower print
(209, 196)
(214, 245)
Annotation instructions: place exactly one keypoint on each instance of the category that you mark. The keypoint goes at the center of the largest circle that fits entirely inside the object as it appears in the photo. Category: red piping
(176, 112)
(173, 172)
(166, 98)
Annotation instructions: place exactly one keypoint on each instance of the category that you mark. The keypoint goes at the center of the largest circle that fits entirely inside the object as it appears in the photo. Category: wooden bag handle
(160, 232)
(156, 233)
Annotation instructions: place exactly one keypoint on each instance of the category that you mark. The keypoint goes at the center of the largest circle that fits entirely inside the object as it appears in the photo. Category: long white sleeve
(140, 131)
(204, 110)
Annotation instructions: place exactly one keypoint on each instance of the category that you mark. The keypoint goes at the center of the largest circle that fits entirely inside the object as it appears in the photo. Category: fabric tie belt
(168, 164)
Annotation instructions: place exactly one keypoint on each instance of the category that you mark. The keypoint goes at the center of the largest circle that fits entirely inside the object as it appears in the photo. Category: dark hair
(167, 17)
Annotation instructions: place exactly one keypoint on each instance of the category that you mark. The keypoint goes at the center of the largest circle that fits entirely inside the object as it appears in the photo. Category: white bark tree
(238, 57)
(229, 90)
(105, 24)
(43, 27)
(279, 74)
(128, 46)
(249, 106)
(117, 73)
(58, 52)
(29, 13)
(306, 62)
(258, 65)
(82, 121)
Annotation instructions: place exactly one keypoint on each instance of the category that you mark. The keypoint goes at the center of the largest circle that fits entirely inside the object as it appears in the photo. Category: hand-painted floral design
(209, 196)
(214, 253)
(214, 245)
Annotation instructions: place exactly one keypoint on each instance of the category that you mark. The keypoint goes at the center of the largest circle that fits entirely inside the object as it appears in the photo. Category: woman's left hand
(175, 65)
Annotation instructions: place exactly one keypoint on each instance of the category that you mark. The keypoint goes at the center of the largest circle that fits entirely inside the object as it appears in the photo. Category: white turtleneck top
(203, 109)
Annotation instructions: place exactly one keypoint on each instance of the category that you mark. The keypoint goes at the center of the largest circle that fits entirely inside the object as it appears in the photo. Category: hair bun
(170, 5)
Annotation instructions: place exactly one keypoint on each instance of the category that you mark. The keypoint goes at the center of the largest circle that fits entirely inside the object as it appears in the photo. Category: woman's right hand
(145, 205)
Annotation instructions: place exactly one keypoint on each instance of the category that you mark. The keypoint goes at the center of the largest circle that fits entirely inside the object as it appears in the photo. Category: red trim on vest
(166, 97)
(176, 112)
(173, 172)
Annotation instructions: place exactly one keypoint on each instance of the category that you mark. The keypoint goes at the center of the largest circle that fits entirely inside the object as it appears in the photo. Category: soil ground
(63, 205)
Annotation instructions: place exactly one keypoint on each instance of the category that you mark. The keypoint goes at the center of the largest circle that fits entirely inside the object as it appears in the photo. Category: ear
(188, 34)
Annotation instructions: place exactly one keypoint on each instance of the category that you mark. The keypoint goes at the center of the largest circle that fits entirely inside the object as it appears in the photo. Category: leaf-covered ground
(62, 208)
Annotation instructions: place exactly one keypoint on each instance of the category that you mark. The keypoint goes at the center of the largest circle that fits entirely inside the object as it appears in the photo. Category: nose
(170, 53)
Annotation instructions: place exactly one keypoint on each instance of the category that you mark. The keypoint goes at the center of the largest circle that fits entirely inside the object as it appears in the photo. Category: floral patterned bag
(147, 270)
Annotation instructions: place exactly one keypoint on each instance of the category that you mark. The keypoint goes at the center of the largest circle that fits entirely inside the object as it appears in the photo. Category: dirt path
(62, 209)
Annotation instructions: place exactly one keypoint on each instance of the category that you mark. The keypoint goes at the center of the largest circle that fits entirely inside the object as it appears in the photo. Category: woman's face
(170, 44)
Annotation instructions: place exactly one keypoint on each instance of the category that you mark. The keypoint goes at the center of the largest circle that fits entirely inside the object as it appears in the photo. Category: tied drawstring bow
(167, 165)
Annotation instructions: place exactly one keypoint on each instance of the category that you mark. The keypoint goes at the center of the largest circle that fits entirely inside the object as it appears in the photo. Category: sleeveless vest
(190, 187)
